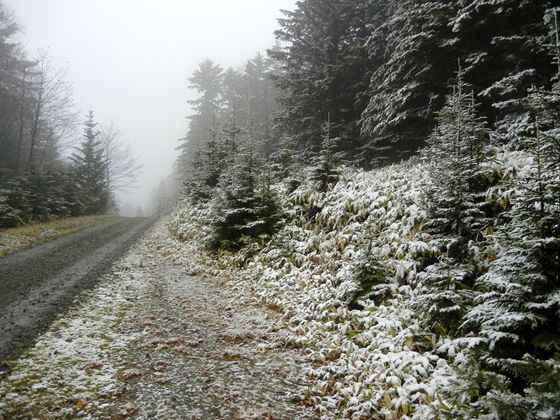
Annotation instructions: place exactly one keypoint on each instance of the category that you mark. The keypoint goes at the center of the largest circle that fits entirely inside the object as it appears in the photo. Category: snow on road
(162, 335)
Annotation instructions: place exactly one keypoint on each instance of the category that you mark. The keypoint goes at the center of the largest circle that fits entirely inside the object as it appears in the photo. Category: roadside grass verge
(24, 237)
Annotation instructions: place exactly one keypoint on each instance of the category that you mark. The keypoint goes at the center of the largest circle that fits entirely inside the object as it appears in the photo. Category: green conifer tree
(518, 310)
(326, 166)
(455, 151)
(245, 208)
(90, 167)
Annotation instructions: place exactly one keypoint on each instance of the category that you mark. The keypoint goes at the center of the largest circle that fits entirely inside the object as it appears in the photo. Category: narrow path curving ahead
(35, 285)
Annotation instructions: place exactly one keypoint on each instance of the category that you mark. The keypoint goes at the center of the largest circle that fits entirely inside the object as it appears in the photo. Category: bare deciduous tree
(122, 166)
(53, 117)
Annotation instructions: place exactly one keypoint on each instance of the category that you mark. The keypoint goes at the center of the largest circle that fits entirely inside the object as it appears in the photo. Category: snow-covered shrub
(15, 208)
(9, 217)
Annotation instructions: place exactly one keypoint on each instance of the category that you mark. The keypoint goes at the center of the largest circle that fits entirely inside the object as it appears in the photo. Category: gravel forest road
(35, 285)
(164, 334)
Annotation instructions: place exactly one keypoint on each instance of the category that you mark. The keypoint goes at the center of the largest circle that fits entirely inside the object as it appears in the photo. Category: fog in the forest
(129, 60)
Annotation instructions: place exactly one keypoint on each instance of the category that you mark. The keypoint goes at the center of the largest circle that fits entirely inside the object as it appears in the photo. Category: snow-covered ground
(161, 336)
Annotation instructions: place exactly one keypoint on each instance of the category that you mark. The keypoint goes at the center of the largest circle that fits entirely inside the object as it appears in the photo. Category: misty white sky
(129, 60)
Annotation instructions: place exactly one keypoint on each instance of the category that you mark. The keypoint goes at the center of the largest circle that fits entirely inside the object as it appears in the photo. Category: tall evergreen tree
(413, 52)
(324, 69)
(503, 46)
(90, 167)
(245, 207)
(325, 170)
(518, 310)
(455, 150)
(14, 96)
(207, 82)
(285, 163)
(413, 63)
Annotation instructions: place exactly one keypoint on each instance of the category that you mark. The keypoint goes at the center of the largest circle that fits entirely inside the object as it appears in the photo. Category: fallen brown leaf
(131, 374)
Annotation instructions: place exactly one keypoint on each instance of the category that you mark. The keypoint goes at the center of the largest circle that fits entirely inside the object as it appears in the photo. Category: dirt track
(35, 285)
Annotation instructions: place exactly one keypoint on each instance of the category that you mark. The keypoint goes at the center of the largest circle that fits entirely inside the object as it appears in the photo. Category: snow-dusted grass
(378, 361)
(72, 369)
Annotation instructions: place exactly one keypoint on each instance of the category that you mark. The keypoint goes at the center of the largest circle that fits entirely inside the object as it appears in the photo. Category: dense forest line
(46, 170)
(469, 91)
(368, 76)
(380, 70)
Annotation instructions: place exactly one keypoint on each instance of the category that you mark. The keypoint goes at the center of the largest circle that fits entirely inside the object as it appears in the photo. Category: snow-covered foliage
(517, 310)
(373, 360)
(376, 360)
(351, 271)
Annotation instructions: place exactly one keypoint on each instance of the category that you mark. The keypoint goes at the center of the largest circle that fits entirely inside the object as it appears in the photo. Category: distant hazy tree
(139, 212)
(206, 80)
(261, 99)
(13, 89)
(232, 117)
(122, 167)
(164, 197)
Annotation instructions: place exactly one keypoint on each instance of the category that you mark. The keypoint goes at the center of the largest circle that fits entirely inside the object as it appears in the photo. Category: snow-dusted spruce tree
(231, 134)
(501, 42)
(325, 170)
(15, 208)
(455, 151)
(204, 167)
(325, 67)
(214, 158)
(194, 183)
(372, 277)
(411, 62)
(518, 313)
(245, 209)
(286, 165)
